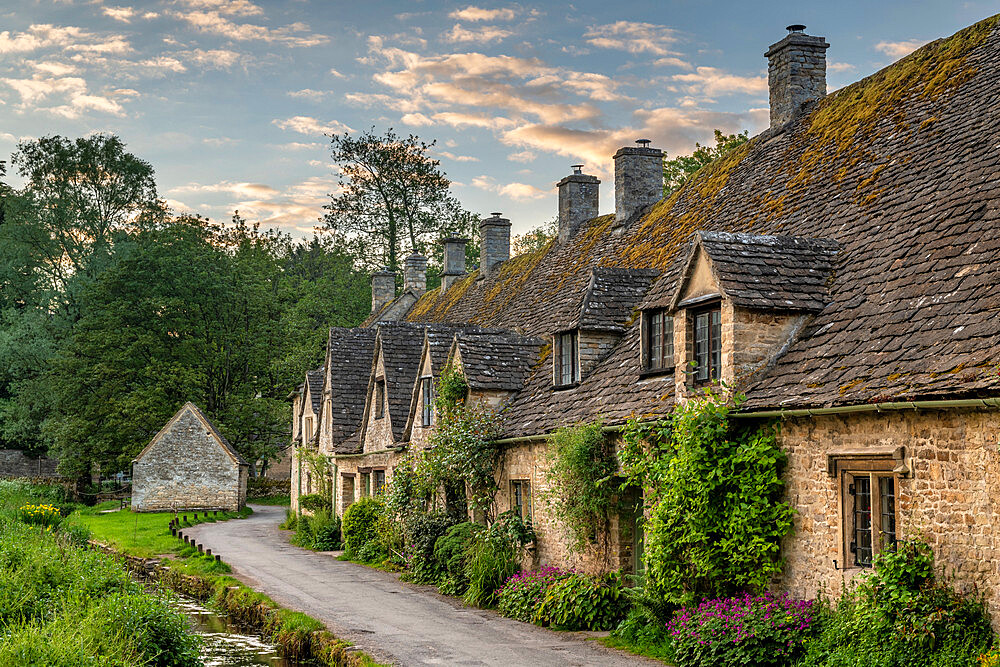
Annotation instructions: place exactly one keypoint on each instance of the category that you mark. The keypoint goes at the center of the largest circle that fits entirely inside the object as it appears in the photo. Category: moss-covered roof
(899, 168)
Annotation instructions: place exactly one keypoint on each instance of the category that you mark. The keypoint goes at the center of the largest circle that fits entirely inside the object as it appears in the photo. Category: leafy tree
(535, 239)
(392, 196)
(677, 171)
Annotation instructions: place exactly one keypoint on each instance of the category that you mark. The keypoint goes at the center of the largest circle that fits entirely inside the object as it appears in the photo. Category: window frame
(666, 340)
(714, 343)
(365, 487)
(558, 346)
(379, 399)
(377, 488)
(882, 508)
(427, 401)
(518, 498)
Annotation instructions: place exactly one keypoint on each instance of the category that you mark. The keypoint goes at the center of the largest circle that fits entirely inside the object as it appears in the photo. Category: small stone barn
(188, 465)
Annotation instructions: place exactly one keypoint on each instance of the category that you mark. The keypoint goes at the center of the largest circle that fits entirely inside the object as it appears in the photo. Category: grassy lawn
(143, 534)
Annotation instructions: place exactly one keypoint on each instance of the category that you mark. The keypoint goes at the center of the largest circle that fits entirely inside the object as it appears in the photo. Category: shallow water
(225, 645)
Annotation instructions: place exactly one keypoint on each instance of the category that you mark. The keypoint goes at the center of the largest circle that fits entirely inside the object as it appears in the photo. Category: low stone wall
(15, 463)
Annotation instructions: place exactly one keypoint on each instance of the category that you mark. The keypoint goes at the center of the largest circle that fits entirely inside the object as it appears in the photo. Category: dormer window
(379, 398)
(566, 361)
(659, 344)
(427, 401)
(707, 343)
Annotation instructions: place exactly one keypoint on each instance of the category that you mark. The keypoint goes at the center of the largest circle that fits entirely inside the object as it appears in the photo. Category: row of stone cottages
(841, 269)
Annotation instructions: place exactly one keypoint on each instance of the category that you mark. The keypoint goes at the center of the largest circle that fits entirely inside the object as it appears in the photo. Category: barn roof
(209, 427)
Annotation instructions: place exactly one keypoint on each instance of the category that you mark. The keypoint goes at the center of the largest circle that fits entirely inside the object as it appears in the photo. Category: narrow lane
(393, 621)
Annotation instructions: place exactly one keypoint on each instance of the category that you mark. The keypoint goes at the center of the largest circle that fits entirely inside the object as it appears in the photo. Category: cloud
(672, 61)
(710, 81)
(900, 49)
(211, 58)
(337, 74)
(69, 38)
(471, 13)
(53, 68)
(309, 125)
(257, 190)
(459, 119)
(73, 97)
(457, 158)
(123, 14)
(416, 119)
(213, 22)
(633, 37)
(309, 94)
(515, 191)
(522, 156)
(163, 64)
(228, 7)
(483, 34)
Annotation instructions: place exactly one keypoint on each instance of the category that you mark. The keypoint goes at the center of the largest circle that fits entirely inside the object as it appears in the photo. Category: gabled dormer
(349, 353)
(598, 323)
(496, 363)
(433, 358)
(739, 301)
(394, 367)
(311, 406)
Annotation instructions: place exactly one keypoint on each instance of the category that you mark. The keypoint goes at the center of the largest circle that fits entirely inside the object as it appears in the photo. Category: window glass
(887, 495)
(660, 340)
(520, 498)
(567, 366)
(862, 521)
(379, 482)
(379, 399)
(427, 399)
(708, 344)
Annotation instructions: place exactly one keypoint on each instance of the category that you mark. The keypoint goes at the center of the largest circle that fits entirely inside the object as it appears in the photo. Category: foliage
(581, 492)
(523, 592)
(676, 172)
(644, 629)
(451, 389)
(45, 516)
(534, 239)
(319, 532)
(391, 195)
(715, 501)
(422, 532)
(489, 562)
(580, 602)
(360, 524)
(764, 630)
(314, 502)
(450, 550)
(901, 615)
(291, 520)
(991, 658)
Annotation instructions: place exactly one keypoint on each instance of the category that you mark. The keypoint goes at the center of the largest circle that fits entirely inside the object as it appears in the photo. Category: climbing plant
(715, 507)
(582, 493)
(318, 466)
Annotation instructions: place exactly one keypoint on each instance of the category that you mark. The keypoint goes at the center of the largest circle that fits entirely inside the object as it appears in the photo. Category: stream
(224, 644)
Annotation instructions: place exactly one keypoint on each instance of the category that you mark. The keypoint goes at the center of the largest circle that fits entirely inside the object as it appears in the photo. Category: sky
(231, 100)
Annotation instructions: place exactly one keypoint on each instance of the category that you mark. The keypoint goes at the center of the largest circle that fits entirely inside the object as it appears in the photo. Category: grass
(284, 501)
(659, 652)
(142, 534)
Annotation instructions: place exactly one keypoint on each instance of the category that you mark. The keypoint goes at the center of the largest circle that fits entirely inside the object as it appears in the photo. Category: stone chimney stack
(415, 273)
(796, 73)
(638, 179)
(494, 234)
(383, 289)
(578, 201)
(454, 261)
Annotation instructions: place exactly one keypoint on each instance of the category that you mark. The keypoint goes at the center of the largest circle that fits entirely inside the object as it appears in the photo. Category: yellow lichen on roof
(434, 305)
(510, 279)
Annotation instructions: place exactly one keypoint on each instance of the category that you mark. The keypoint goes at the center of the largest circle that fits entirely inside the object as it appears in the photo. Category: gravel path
(393, 621)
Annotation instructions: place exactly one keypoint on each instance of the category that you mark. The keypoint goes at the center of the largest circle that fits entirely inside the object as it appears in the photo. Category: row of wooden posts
(175, 530)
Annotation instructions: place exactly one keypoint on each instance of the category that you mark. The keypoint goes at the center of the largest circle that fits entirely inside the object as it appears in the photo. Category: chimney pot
(796, 73)
(383, 289)
(494, 235)
(638, 179)
(454, 261)
(579, 197)
(415, 273)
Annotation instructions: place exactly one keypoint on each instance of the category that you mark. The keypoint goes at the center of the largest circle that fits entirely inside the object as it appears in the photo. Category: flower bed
(523, 592)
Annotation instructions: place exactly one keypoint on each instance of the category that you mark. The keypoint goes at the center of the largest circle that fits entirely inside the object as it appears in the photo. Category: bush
(290, 522)
(580, 602)
(449, 552)
(40, 515)
(360, 524)
(423, 529)
(319, 532)
(314, 502)
(523, 592)
(746, 630)
(900, 615)
(489, 562)
(991, 658)
(645, 626)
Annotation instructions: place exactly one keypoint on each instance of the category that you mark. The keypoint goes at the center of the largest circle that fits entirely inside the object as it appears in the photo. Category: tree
(535, 239)
(677, 171)
(392, 197)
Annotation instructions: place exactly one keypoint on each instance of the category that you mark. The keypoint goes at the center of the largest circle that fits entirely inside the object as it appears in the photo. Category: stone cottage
(189, 465)
(841, 269)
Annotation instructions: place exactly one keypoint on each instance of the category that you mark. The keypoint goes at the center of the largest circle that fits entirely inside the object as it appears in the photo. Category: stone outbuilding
(189, 465)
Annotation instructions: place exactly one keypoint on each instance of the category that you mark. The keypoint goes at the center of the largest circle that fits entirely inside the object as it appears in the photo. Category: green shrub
(449, 551)
(325, 531)
(730, 632)
(314, 502)
(900, 615)
(360, 524)
(423, 529)
(644, 629)
(489, 563)
(290, 522)
(522, 593)
(580, 602)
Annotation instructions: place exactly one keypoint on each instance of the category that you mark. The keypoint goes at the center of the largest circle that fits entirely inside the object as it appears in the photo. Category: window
(707, 344)
(427, 401)
(659, 340)
(309, 429)
(567, 366)
(871, 516)
(520, 498)
(366, 488)
(379, 399)
(379, 482)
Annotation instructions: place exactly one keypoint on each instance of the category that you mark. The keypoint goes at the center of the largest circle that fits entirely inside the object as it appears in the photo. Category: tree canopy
(677, 171)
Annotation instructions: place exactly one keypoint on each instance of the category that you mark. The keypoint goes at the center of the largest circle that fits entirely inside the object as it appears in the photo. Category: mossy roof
(899, 169)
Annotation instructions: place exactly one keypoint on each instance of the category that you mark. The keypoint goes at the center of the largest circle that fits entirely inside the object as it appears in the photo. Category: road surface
(395, 622)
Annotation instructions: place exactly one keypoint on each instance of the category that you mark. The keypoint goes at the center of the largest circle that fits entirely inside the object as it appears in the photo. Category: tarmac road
(395, 622)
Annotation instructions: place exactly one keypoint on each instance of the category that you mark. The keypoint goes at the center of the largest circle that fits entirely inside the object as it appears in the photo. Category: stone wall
(281, 468)
(594, 346)
(15, 463)
(949, 500)
(351, 467)
(752, 338)
(579, 198)
(638, 180)
(187, 468)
